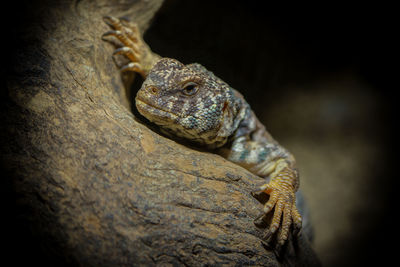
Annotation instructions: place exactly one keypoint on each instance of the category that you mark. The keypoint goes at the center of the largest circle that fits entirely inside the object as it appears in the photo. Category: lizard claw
(282, 200)
(133, 47)
(128, 52)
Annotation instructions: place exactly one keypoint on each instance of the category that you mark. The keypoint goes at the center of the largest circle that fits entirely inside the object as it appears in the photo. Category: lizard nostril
(153, 90)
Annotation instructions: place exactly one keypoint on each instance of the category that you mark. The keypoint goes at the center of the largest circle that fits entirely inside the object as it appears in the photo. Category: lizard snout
(148, 93)
(151, 89)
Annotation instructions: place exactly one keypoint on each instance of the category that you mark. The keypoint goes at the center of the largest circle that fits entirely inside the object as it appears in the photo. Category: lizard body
(190, 102)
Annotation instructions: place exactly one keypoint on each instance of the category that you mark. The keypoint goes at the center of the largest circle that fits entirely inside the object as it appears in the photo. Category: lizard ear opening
(225, 129)
(225, 106)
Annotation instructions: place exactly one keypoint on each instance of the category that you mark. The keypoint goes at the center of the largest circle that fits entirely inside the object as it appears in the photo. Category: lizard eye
(190, 88)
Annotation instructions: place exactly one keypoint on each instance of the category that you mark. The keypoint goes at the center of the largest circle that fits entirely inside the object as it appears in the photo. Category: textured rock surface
(97, 187)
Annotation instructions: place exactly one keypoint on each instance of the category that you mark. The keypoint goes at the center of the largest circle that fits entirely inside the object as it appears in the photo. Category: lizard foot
(283, 200)
(133, 47)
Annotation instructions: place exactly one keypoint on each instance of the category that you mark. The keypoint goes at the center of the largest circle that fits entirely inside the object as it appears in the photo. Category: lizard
(190, 102)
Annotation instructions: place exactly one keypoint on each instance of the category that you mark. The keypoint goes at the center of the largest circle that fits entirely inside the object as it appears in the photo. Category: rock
(95, 186)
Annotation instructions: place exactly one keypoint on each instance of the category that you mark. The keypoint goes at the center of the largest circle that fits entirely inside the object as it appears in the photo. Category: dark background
(320, 79)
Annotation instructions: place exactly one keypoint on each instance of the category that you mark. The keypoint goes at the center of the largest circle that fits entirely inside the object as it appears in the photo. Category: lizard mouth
(154, 113)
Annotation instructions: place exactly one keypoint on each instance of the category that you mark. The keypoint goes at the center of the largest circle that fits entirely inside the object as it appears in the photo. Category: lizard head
(189, 102)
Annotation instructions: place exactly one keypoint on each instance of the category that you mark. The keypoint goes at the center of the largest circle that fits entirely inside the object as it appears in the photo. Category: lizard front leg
(281, 189)
(270, 159)
(134, 48)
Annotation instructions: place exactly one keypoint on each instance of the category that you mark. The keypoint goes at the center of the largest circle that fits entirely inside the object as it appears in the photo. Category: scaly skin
(190, 102)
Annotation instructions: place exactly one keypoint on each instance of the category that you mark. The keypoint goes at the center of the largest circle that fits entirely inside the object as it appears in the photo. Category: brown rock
(96, 186)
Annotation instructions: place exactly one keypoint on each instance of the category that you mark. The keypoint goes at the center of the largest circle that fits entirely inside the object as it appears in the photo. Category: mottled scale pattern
(207, 118)
(190, 102)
